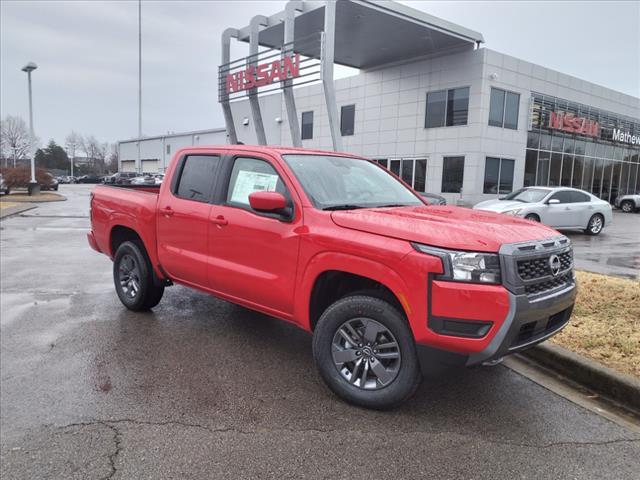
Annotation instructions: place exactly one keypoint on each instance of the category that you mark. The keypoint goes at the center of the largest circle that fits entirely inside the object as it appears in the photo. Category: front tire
(365, 353)
(533, 217)
(595, 225)
(627, 206)
(133, 278)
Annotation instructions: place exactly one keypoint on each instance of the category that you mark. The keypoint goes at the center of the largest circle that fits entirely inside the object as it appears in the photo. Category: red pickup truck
(342, 248)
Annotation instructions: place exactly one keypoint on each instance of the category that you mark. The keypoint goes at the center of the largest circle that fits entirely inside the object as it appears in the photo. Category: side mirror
(267, 201)
(553, 201)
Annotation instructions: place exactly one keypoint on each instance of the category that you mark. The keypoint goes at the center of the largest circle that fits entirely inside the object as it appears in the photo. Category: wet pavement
(616, 251)
(200, 388)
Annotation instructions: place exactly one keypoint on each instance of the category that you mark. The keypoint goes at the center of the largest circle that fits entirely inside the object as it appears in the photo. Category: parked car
(628, 203)
(120, 178)
(64, 179)
(159, 177)
(89, 179)
(346, 251)
(433, 199)
(48, 182)
(557, 207)
(143, 180)
(4, 188)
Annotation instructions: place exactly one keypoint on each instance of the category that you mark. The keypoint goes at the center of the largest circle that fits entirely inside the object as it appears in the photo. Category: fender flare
(333, 261)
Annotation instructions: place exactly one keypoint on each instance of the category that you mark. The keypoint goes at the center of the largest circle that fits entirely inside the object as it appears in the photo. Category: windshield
(346, 183)
(527, 195)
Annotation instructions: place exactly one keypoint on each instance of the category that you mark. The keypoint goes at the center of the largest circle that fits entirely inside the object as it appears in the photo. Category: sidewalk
(8, 209)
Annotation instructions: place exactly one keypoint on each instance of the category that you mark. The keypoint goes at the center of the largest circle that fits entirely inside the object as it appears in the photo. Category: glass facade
(582, 152)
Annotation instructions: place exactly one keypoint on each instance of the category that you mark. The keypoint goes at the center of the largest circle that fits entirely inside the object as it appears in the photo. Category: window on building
(503, 109)
(307, 126)
(347, 120)
(498, 175)
(447, 108)
(420, 177)
(394, 166)
(168, 149)
(530, 166)
(196, 177)
(407, 171)
(452, 174)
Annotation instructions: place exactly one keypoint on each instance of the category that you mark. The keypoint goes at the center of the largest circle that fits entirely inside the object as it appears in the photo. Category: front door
(253, 256)
(183, 219)
(561, 214)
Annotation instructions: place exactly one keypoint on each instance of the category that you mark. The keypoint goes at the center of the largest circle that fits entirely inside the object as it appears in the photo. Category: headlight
(513, 212)
(475, 267)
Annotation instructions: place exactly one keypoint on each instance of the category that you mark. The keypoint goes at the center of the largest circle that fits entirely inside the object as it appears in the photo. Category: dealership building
(430, 103)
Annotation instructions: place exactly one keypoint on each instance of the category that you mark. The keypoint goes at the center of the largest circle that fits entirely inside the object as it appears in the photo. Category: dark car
(89, 179)
(49, 182)
(433, 199)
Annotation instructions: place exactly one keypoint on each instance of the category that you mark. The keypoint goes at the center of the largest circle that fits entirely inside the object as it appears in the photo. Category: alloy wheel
(595, 225)
(129, 276)
(366, 354)
(626, 207)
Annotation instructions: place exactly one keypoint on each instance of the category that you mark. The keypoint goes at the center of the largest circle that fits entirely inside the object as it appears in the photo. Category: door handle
(220, 221)
(168, 212)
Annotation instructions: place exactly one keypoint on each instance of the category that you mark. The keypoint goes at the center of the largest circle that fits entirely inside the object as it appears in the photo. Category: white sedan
(558, 207)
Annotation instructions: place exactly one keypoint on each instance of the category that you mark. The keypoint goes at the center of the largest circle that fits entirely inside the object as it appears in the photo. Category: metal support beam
(328, 51)
(256, 23)
(289, 99)
(224, 96)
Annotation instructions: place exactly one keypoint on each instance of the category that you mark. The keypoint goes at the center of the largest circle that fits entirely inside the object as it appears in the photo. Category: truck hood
(499, 205)
(444, 226)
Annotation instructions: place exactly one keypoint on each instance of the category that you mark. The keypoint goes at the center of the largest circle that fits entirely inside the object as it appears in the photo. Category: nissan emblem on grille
(554, 264)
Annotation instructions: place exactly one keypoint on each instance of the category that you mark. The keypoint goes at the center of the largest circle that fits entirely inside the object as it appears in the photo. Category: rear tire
(133, 278)
(533, 217)
(627, 206)
(380, 368)
(595, 225)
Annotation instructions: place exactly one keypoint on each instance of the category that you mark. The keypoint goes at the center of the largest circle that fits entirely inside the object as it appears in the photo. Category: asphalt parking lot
(616, 251)
(200, 388)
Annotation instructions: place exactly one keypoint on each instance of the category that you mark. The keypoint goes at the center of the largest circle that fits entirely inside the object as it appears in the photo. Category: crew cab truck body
(344, 249)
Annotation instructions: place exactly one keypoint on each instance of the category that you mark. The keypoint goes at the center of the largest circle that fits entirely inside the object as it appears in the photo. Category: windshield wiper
(345, 206)
(391, 205)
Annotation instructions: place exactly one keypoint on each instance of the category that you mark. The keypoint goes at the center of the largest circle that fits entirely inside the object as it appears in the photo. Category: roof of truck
(281, 150)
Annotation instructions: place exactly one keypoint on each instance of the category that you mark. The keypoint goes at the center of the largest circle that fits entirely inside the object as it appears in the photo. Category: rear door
(183, 218)
(253, 255)
(583, 208)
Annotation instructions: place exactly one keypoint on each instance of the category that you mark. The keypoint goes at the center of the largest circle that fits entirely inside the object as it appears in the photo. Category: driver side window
(251, 175)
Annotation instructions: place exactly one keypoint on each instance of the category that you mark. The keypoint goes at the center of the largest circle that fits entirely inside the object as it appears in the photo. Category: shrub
(20, 177)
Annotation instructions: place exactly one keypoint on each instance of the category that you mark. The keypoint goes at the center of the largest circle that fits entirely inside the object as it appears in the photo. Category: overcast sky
(87, 55)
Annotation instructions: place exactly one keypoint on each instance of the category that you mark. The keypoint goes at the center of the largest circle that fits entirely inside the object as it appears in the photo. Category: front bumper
(528, 323)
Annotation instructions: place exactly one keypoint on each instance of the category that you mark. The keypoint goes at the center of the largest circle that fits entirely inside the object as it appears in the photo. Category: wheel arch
(329, 277)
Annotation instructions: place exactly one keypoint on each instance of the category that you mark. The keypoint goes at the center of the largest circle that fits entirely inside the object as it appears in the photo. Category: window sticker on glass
(249, 182)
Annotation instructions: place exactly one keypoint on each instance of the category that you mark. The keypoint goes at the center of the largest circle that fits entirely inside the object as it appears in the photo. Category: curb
(622, 388)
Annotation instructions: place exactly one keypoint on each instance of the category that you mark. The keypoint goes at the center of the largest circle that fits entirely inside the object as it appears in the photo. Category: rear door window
(579, 197)
(197, 176)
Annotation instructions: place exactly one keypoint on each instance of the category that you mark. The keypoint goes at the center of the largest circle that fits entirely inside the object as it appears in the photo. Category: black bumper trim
(528, 323)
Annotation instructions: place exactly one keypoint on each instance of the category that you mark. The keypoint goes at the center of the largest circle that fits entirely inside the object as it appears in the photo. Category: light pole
(33, 185)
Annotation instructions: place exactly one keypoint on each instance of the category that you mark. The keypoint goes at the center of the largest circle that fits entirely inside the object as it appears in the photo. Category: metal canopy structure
(364, 34)
(369, 34)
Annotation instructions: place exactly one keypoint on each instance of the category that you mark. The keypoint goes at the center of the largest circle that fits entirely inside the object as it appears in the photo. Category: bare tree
(112, 161)
(15, 140)
(73, 142)
(91, 148)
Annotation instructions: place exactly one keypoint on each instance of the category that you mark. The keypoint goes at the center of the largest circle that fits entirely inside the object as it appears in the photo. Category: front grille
(551, 284)
(527, 266)
(539, 267)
